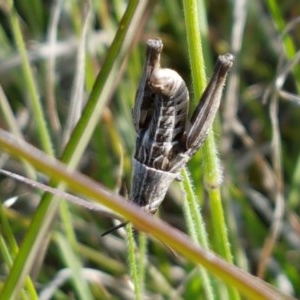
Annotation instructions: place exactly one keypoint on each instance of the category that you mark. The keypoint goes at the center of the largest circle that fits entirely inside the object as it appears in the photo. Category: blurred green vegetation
(257, 134)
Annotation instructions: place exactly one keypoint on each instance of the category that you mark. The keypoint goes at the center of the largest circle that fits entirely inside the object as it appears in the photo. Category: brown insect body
(164, 131)
(158, 134)
(165, 139)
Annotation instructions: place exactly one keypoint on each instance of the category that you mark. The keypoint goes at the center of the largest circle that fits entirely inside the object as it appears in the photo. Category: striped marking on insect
(166, 138)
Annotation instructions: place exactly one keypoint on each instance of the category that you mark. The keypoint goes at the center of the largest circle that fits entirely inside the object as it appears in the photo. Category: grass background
(66, 44)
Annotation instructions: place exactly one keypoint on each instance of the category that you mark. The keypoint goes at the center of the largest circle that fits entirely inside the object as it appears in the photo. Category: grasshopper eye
(165, 81)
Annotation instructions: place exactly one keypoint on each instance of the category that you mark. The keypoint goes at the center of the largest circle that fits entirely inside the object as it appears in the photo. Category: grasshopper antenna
(124, 192)
(112, 229)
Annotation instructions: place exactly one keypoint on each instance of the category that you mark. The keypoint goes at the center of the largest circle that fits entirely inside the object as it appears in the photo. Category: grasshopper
(165, 138)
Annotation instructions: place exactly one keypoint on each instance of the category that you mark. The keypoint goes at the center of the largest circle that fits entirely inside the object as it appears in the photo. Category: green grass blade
(212, 169)
(47, 210)
(34, 97)
(247, 284)
(71, 261)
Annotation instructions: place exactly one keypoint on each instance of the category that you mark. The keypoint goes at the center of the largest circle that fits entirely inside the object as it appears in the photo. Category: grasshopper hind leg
(208, 106)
